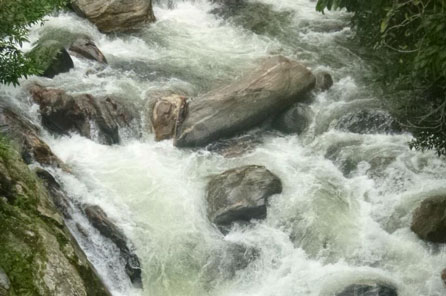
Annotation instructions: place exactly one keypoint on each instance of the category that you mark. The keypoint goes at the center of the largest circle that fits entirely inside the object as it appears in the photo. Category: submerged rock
(167, 114)
(108, 229)
(224, 112)
(26, 136)
(369, 122)
(372, 289)
(294, 120)
(115, 15)
(51, 58)
(324, 81)
(62, 113)
(240, 194)
(236, 146)
(85, 47)
(429, 219)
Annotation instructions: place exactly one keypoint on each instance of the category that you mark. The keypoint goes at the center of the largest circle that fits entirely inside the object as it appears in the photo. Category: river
(345, 210)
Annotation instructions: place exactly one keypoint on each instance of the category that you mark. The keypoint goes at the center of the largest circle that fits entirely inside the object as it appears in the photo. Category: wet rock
(224, 112)
(108, 229)
(294, 120)
(236, 146)
(62, 113)
(26, 136)
(85, 47)
(51, 58)
(167, 114)
(115, 16)
(324, 81)
(369, 122)
(240, 194)
(443, 276)
(58, 195)
(429, 219)
(372, 289)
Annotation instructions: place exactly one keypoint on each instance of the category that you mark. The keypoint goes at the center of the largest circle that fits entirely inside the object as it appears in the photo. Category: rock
(324, 81)
(236, 146)
(58, 195)
(62, 113)
(85, 47)
(368, 122)
(429, 219)
(294, 120)
(443, 276)
(247, 102)
(167, 115)
(37, 251)
(51, 58)
(115, 15)
(240, 194)
(26, 136)
(108, 229)
(372, 289)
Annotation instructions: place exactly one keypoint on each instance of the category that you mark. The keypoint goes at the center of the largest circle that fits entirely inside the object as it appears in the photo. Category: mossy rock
(38, 256)
(51, 58)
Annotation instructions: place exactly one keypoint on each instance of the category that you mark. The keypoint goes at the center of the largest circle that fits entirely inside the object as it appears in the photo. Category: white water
(325, 230)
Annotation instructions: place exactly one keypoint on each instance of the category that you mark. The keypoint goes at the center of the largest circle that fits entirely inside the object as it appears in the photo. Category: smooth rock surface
(94, 118)
(270, 89)
(294, 120)
(51, 58)
(429, 219)
(107, 228)
(115, 15)
(240, 194)
(85, 47)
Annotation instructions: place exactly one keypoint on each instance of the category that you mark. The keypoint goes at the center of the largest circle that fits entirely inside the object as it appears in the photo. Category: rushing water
(345, 210)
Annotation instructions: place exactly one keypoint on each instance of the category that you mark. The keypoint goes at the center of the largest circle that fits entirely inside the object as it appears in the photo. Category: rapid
(345, 210)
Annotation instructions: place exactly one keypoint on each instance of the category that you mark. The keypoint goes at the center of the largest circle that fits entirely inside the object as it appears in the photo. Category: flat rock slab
(224, 112)
(241, 194)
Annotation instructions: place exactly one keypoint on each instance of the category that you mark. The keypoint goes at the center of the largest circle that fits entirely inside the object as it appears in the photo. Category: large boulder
(371, 289)
(85, 47)
(276, 85)
(429, 219)
(26, 137)
(240, 194)
(115, 15)
(108, 229)
(294, 120)
(51, 58)
(62, 113)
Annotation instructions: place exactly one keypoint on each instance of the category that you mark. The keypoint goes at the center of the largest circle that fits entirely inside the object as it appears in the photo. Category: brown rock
(115, 15)
(85, 47)
(166, 116)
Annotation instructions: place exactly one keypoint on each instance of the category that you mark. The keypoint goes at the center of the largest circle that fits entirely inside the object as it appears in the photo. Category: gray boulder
(51, 58)
(108, 229)
(372, 289)
(240, 194)
(115, 15)
(429, 219)
(224, 112)
(62, 113)
(85, 47)
(294, 120)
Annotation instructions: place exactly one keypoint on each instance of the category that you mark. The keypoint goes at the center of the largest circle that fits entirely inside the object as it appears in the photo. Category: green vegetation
(16, 17)
(410, 34)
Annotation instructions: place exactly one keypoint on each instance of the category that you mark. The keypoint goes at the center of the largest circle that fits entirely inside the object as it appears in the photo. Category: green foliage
(16, 17)
(411, 34)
